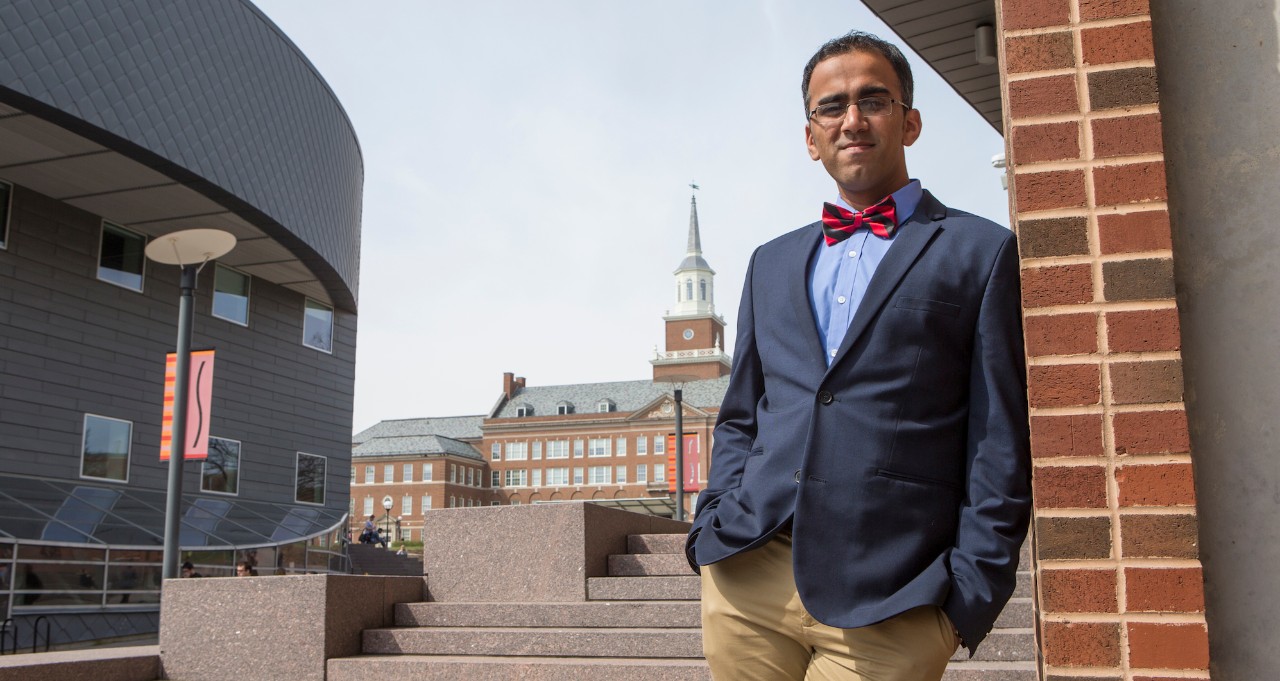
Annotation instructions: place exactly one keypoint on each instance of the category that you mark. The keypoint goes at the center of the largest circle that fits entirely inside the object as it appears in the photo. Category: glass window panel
(38, 552)
(408, 472)
(642, 445)
(44, 600)
(230, 295)
(220, 472)
(130, 556)
(134, 577)
(310, 481)
(292, 558)
(105, 450)
(121, 259)
(6, 551)
(135, 598)
(60, 576)
(426, 472)
(317, 326)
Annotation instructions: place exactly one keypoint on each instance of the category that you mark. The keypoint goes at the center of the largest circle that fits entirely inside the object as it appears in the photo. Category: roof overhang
(44, 157)
(943, 33)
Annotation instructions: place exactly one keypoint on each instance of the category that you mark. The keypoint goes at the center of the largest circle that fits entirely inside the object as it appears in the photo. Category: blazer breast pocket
(927, 305)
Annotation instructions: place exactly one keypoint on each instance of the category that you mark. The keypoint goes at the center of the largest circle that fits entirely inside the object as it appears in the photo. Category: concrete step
(1003, 645)
(656, 543)
(485, 668)
(649, 564)
(990, 671)
(1017, 614)
(542, 642)
(644, 588)
(686, 614)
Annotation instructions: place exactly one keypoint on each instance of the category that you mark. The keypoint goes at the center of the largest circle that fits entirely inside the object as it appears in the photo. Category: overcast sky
(526, 171)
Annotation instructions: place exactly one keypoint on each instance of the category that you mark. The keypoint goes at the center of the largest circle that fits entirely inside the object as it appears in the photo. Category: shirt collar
(905, 201)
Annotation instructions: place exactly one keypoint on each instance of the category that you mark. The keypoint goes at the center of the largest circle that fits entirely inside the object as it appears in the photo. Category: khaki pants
(754, 628)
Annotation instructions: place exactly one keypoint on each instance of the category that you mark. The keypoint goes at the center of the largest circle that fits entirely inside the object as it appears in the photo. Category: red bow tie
(838, 224)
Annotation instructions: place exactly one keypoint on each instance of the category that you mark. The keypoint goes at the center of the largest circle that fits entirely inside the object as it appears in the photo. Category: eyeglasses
(833, 113)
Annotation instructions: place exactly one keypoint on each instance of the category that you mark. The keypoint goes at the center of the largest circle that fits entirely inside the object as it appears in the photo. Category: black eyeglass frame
(855, 103)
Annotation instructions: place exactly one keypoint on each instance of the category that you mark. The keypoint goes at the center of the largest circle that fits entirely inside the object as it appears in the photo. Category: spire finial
(695, 239)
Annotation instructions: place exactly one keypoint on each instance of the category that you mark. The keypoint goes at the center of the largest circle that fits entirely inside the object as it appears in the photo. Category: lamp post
(386, 519)
(678, 380)
(190, 250)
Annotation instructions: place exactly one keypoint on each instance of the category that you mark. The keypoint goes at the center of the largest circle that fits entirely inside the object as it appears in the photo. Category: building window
(537, 477)
(408, 472)
(453, 503)
(517, 477)
(426, 472)
(659, 445)
(230, 294)
(309, 483)
(524, 410)
(598, 446)
(406, 505)
(598, 475)
(389, 473)
(471, 478)
(104, 452)
(557, 449)
(642, 445)
(368, 506)
(120, 259)
(537, 450)
(557, 477)
(353, 480)
(642, 474)
(368, 475)
(564, 408)
(702, 286)
(6, 203)
(317, 326)
(659, 472)
(495, 479)
(605, 406)
(517, 451)
(453, 473)
(426, 503)
(578, 448)
(688, 289)
(495, 452)
(577, 476)
(620, 475)
(622, 446)
(220, 472)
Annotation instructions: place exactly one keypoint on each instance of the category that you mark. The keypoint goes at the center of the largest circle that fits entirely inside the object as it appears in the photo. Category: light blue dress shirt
(839, 274)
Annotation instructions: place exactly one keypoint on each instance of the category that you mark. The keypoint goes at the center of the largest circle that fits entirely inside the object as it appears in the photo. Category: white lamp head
(190, 246)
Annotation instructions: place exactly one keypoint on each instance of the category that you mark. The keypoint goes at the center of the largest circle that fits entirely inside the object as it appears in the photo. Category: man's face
(865, 155)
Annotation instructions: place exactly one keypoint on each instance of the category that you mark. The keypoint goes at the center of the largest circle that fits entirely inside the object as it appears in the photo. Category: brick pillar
(1119, 589)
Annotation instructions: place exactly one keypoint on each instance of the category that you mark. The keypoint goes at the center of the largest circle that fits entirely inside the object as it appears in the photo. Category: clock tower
(695, 333)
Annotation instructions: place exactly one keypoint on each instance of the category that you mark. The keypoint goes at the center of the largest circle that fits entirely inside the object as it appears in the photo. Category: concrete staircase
(372, 559)
(642, 621)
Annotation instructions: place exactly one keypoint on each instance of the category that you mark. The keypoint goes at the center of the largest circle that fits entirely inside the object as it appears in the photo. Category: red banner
(199, 399)
(692, 463)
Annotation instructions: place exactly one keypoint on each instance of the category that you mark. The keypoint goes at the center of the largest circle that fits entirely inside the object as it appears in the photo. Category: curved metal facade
(210, 93)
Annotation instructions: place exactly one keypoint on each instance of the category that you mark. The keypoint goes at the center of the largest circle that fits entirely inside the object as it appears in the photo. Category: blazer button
(797, 476)
(825, 397)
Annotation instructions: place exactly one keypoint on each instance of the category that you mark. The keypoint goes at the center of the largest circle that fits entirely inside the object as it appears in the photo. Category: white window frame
(453, 473)
(214, 294)
(368, 506)
(620, 447)
(557, 449)
(426, 472)
(102, 233)
(495, 451)
(324, 479)
(642, 474)
(517, 451)
(406, 472)
(579, 474)
(599, 447)
(406, 505)
(642, 445)
(558, 476)
(537, 450)
(333, 326)
(537, 478)
(659, 473)
(515, 477)
(620, 475)
(659, 445)
(599, 475)
(239, 458)
(128, 457)
(579, 448)
(370, 475)
(426, 503)
(495, 478)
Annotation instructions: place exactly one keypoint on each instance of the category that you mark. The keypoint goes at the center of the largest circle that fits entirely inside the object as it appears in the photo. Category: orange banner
(692, 463)
(199, 399)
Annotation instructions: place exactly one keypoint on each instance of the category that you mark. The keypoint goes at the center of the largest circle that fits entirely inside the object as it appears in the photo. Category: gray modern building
(121, 122)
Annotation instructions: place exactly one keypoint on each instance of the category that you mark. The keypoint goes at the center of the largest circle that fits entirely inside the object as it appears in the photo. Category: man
(189, 570)
(869, 487)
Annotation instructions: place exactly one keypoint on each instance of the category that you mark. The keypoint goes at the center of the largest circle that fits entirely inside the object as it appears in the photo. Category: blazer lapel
(798, 289)
(913, 236)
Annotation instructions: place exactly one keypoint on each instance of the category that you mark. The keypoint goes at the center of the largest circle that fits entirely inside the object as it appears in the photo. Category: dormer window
(524, 410)
(606, 405)
(564, 408)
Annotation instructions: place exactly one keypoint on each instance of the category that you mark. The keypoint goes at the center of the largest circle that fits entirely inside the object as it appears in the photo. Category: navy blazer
(905, 466)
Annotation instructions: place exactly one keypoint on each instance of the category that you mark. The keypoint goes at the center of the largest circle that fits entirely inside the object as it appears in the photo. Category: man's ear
(911, 124)
(808, 142)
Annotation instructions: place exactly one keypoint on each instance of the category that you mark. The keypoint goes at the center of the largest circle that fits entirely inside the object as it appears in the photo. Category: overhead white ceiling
(942, 33)
(53, 161)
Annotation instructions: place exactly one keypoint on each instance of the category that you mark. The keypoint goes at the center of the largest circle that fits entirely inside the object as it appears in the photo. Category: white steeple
(695, 280)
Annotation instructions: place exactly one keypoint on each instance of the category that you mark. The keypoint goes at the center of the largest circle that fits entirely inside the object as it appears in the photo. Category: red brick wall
(1117, 572)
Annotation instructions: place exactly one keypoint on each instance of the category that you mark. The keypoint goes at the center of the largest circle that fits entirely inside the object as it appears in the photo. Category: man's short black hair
(859, 41)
